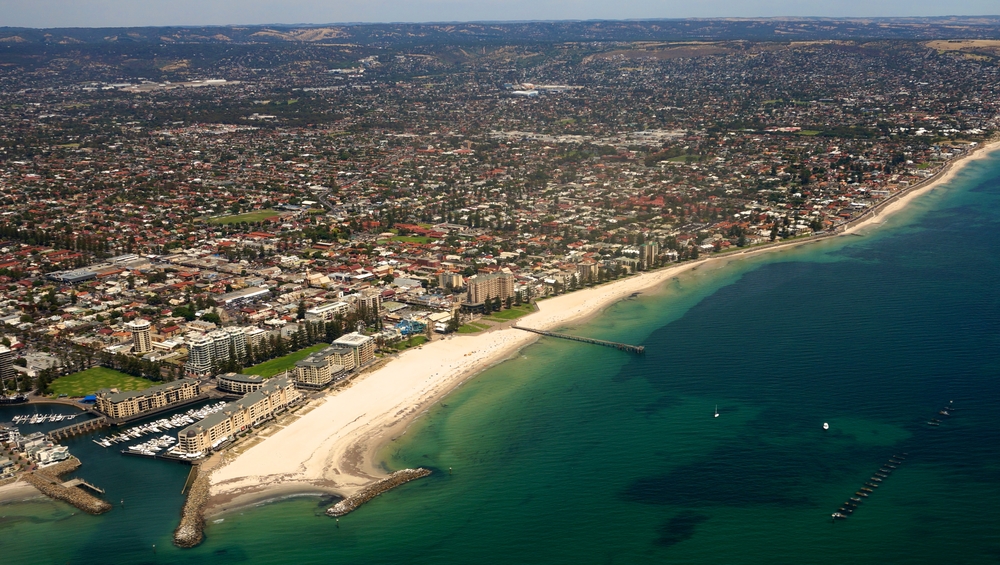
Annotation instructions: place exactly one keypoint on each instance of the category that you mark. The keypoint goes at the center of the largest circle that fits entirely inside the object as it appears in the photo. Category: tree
(301, 312)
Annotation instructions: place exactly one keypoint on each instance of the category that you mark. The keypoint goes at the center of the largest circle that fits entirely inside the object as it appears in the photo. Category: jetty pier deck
(82, 483)
(638, 349)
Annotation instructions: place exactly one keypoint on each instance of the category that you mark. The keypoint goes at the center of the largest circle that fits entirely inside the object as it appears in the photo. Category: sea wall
(48, 482)
(352, 503)
(190, 532)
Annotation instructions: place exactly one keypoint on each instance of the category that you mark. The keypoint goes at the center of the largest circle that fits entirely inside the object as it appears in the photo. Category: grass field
(282, 364)
(94, 379)
(249, 217)
(406, 344)
(512, 314)
(469, 329)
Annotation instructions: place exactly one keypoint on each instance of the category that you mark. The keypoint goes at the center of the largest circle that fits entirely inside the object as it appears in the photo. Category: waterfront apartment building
(487, 287)
(362, 346)
(271, 398)
(239, 384)
(141, 341)
(587, 271)
(339, 355)
(648, 253)
(317, 371)
(120, 405)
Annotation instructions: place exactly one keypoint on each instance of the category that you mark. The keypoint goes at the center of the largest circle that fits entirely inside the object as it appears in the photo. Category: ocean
(573, 453)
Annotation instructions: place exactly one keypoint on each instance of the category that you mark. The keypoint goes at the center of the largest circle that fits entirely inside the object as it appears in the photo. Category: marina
(159, 426)
(36, 419)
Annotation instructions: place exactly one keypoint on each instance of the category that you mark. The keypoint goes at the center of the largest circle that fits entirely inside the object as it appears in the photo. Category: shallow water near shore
(573, 453)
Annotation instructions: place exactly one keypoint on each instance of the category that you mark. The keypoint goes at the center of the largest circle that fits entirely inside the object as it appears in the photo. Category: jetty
(47, 481)
(637, 349)
(354, 501)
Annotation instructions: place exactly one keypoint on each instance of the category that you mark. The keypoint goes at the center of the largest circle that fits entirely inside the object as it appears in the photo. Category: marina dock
(637, 349)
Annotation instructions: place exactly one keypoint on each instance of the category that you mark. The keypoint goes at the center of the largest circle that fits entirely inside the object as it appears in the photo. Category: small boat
(716, 410)
(867, 489)
(826, 426)
(933, 423)
(855, 500)
(862, 494)
(839, 516)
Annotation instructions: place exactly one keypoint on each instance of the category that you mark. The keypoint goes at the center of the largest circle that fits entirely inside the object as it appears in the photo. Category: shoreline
(332, 448)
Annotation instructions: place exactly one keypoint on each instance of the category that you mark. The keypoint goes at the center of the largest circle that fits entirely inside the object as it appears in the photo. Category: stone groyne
(47, 481)
(190, 532)
(352, 503)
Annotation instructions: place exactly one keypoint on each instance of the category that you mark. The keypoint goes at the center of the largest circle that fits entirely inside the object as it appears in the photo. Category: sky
(118, 13)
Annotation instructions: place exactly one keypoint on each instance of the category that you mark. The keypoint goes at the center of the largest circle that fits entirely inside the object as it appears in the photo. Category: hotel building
(121, 405)
(271, 398)
(487, 287)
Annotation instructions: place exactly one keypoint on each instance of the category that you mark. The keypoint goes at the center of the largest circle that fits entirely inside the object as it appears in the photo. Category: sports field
(94, 379)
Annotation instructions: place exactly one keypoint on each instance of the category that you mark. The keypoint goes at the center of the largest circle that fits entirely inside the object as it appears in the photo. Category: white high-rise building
(6, 364)
(141, 342)
(199, 361)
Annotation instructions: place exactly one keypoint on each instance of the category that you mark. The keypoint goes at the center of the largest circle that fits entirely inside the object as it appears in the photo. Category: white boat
(826, 426)
(716, 410)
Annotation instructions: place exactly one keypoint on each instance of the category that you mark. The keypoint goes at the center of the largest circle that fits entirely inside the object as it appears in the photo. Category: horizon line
(511, 22)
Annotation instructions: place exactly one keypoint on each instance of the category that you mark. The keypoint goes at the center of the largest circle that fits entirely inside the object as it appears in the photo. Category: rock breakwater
(352, 503)
(47, 481)
(190, 532)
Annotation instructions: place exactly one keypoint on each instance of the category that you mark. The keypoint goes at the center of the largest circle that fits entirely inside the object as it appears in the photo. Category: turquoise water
(579, 454)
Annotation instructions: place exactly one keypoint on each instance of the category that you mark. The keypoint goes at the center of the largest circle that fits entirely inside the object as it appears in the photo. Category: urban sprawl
(347, 201)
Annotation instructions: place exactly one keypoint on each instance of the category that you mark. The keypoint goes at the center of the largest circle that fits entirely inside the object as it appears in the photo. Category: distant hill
(985, 27)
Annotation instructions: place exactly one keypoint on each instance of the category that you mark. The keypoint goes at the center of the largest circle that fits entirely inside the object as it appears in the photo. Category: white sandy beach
(332, 447)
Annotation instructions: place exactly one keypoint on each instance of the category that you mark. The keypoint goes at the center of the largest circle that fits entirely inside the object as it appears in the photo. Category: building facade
(6, 364)
(363, 347)
(487, 287)
(141, 341)
(217, 346)
(120, 405)
(239, 416)
(318, 370)
(239, 384)
(450, 280)
(327, 312)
